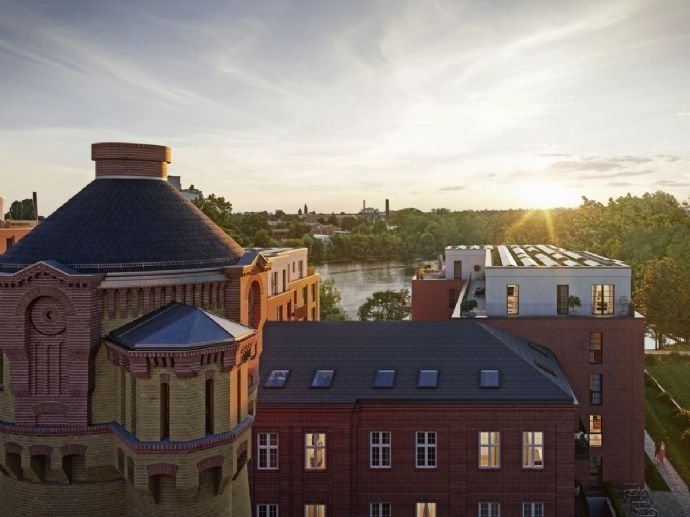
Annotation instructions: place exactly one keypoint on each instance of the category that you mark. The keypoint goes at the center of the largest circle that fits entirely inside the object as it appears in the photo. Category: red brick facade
(348, 484)
(434, 299)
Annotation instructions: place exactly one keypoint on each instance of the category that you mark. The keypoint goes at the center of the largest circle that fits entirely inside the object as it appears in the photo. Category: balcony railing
(550, 309)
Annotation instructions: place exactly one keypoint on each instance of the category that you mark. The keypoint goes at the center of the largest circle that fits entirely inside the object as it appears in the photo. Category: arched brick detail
(37, 292)
(157, 469)
(209, 463)
(13, 447)
(40, 450)
(73, 448)
(210, 374)
(242, 447)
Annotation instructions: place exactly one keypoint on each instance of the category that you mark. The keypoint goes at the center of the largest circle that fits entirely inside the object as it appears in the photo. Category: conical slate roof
(122, 224)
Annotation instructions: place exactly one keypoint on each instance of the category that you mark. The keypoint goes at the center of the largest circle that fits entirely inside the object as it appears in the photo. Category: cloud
(452, 188)
(622, 174)
(573, 166)
(668, 157)
(673, 183)
(685, 113)
(620, 184)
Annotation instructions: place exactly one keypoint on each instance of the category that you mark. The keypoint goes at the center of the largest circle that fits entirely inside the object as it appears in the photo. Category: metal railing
(551, 309)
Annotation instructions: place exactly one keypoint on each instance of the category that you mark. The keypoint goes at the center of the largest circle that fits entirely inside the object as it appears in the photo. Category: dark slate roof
(125, 225)
(178, 327)
(459, 350)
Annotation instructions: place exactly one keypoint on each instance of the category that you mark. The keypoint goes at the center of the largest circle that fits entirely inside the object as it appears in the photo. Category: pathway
(672, 478)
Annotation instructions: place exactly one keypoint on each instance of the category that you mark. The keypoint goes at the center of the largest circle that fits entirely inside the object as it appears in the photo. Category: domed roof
(121, 223)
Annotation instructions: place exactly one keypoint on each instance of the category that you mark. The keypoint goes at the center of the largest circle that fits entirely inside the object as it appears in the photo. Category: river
(356, 281)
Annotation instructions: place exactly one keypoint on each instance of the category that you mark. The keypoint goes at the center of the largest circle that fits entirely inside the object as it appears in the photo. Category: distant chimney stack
(35, 200)
(388, 209)
(124, 160)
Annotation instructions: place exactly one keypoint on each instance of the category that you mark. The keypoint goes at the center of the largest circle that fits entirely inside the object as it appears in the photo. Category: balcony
(484, 309)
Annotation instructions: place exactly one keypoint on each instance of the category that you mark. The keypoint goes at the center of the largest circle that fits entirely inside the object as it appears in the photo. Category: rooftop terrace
(539, 255)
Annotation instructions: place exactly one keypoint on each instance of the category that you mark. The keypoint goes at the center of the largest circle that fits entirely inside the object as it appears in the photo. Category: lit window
(596, 347)
(379, 510)
(426, 510)
(489, 449)
(314, 510)
(384, 379)
(267, 510)
(322, 379)
(380, 449)
(602, 298)
(489, 379)
(513, 300)
(489, 510)
(533, 450)
(315, 451)
(595, 431)
(427, 379)
(532, 509)
(267, 447)
(277, 378)
(426, 449)
(595, 389)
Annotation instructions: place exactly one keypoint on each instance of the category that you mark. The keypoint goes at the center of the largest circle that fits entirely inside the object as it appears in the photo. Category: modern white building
(539, 280)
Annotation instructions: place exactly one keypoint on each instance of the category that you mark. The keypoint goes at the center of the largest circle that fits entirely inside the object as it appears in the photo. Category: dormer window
(277, 379)
(427, 379)
(384, 379)
(489, 379)
(322, 379)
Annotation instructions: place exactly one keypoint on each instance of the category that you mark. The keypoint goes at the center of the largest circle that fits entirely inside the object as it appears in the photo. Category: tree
(306, 210)
(333, 219)
(216, 208)
(299, 211)
(329, 302)
(263, 239)
(384, 305)
(21, 210)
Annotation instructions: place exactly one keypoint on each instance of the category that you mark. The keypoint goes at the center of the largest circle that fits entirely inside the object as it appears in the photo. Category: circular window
(47, 316)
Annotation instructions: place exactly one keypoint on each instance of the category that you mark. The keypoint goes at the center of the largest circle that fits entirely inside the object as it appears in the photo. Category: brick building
(130, 330)
(411, 419)
(579, 305)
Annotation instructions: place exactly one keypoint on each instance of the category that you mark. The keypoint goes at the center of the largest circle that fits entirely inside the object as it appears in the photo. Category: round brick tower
(129, 335)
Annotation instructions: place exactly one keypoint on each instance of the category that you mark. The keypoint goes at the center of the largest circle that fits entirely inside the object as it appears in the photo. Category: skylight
(427, 379)
(384, 379)
(322, 379)
(489, 379)
(277, 379)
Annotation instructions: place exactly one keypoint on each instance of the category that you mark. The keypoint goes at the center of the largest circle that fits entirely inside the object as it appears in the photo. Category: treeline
(651, 233)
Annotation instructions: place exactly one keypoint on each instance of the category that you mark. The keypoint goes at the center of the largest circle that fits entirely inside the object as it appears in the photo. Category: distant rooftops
(538, 255)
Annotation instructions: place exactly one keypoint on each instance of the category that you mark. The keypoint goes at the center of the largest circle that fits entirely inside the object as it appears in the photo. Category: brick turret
(118, 159)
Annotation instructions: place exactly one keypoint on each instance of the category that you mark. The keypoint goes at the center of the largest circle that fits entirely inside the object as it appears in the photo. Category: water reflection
(358, 280)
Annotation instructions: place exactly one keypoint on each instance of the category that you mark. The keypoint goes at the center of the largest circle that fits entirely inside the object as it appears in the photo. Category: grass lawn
(661, 426)
(652, 476)
(675, 378)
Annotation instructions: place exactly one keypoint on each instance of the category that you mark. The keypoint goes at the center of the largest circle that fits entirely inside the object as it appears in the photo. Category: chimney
(388, 209)
(130, 161)
(35, 198)
(364, 205)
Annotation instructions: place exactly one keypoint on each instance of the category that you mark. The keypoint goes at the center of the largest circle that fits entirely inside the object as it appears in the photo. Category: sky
(277, 103)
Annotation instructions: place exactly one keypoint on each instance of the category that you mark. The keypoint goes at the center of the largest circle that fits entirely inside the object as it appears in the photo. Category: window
(596, 471)
(595, 431)
(304, 295)
(314, 510)
(266, 510)
(489, 449)
(489, 379)
(277, 379)
(384, 379)
(426, 510)
(532, 509)
(426, 449)
(489, 510)
(165, 411)
(313, 292)
(9, 242)
(380, 449)
(562, 297)
(452, 297)
(315, 451)
(301, 272)
(602, 298)
(596, 347)
(533, 450)
(267, 451)
(279, 313)
(284, 281)
(379, 510)
(595, 389)
(427, 379)
(513, 300)
(322, 379)
(209, 406)
(274, 283)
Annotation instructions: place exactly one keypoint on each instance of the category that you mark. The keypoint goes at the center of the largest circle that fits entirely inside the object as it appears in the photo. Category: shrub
(615, 499)
(650, 360)
(468, 305)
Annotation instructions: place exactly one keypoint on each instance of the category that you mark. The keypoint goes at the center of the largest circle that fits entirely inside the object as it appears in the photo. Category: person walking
(657, 446)
(662, 452)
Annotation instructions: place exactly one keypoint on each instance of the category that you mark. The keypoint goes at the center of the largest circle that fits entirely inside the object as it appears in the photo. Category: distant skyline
(429, 103)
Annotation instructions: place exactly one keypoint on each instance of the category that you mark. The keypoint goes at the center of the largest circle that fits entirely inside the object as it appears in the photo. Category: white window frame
(529, 444)
(270, 446)
(489, 509)
(379, 510)
(377, 443)
(314, 510)
(426, 448)
(593, 432)
(490, 445)
(266, 510)
(311, 444)
(533, 509)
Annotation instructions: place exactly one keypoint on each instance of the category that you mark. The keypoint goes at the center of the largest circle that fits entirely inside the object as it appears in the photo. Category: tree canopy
(384, 305)
(329, 302)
